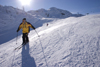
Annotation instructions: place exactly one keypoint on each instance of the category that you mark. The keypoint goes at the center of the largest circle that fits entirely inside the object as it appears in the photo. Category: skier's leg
(23, 38)
(27, 39)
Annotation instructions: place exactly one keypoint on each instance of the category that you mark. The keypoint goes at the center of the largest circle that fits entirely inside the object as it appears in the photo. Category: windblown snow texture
(68, 42)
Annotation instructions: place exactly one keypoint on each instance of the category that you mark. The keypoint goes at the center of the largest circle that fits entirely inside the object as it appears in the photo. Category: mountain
(53, 13)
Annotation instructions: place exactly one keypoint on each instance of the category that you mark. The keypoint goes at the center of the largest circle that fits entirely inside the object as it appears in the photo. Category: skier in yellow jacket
(25, 26)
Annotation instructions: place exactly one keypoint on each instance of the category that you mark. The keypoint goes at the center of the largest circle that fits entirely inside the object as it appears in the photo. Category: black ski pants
(25, 38)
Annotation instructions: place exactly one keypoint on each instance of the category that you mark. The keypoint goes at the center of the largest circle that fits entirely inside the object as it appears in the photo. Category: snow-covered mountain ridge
(53, 13)
(69, 42)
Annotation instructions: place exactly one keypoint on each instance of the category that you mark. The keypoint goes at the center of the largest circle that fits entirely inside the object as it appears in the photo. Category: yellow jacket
(25, 27)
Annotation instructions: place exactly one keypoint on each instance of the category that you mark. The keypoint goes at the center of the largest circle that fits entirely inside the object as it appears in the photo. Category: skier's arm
(20, 26)
(31, 26)
(18, 29)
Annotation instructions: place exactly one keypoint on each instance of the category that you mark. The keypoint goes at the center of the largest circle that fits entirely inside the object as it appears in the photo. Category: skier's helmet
(24, 18)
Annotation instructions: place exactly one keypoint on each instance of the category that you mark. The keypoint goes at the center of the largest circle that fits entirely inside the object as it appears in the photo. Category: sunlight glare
(25, 2)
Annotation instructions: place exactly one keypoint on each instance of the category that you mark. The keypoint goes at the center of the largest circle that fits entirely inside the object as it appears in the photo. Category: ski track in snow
(66, 43)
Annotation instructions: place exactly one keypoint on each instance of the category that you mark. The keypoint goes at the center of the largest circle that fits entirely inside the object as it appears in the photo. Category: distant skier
(47, 24)
(25, 30)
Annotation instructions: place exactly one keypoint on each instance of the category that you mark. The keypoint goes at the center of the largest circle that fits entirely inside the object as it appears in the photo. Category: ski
(19, 47)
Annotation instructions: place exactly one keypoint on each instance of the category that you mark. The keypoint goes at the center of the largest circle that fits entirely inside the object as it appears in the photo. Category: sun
(25, 2)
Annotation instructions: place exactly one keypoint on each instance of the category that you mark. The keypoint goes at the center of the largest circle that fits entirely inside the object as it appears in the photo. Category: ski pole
(42, 49)
(37, 33)
(13, 59)
(43, 53)
(16, 37)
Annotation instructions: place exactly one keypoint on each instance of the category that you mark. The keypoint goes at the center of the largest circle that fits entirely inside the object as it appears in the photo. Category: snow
(67, 42)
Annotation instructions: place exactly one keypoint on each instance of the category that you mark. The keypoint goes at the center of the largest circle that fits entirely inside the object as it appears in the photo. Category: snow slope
(69, 42)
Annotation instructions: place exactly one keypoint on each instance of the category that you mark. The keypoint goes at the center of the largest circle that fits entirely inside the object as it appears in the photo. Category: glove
(17, 31)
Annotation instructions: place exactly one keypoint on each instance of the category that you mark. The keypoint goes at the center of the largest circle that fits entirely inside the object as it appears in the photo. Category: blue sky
(74, 6)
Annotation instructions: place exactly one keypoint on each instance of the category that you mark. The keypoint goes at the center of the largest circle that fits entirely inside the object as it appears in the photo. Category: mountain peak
(53, 8)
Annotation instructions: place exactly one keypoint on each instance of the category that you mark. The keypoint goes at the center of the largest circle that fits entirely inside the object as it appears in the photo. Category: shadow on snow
(27, 60)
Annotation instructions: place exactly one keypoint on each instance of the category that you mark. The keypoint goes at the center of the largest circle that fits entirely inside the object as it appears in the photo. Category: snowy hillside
(69, 42)
(53, 13)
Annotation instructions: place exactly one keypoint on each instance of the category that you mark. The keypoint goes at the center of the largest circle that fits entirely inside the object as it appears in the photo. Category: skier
(25, 30)
(47, 24)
